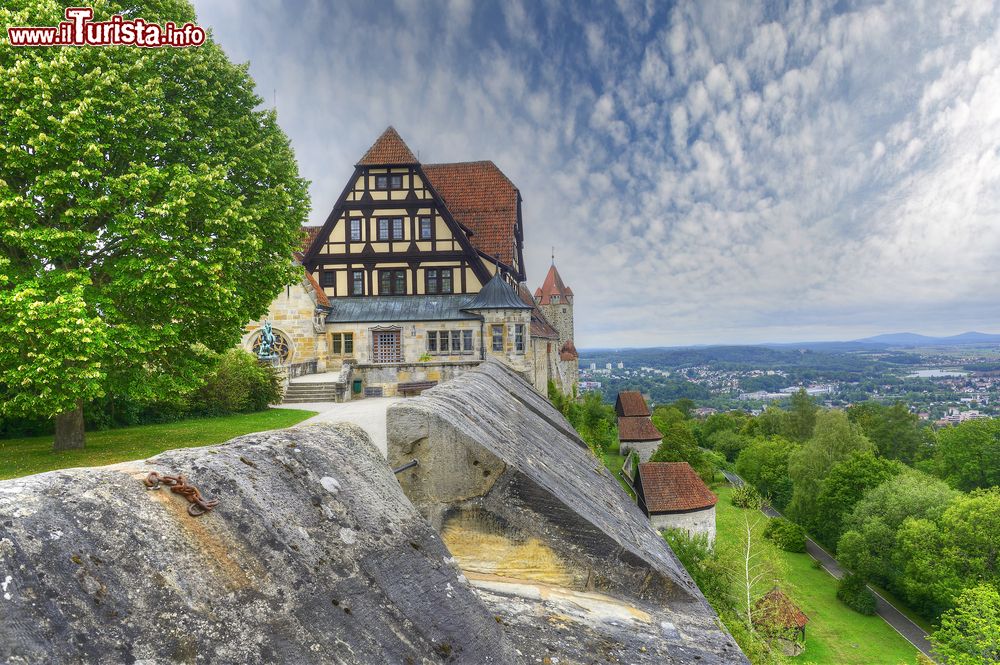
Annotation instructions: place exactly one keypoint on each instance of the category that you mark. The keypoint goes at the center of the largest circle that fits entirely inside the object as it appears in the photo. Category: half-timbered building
(417, 274)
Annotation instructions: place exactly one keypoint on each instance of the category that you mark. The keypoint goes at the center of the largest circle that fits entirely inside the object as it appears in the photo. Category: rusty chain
(199, 505)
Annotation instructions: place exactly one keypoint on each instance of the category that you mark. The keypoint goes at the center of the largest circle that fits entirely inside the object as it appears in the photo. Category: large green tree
(844, 486)
(764, 464)
(968, 455)
(801, 416)
(833, 440)
(868, 544)
(148, 209)
(970, 633)
(895, 431)
(940, 559)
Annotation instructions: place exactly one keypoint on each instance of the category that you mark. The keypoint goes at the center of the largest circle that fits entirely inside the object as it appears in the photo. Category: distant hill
(913, 339)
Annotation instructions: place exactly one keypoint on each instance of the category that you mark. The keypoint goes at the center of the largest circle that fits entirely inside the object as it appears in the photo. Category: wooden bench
(414, 387)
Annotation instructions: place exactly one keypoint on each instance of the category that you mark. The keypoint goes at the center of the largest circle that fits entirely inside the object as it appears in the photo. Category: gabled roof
(552, 286)
(631, 403)
(481, 197)
(389, 149)
(637, 428)
(568, 351)
(671, 487)
(776, 610)
(497, 294)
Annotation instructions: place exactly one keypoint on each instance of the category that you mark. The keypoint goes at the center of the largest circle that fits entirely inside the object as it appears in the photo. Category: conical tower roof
(497, 294)
(552, 286)
(388, 149)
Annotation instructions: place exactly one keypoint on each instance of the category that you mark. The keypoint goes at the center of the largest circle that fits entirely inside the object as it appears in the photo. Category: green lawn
(613, 461)
(836, 635)
(22, 457)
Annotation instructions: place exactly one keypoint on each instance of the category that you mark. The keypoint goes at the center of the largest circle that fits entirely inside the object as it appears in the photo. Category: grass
(835, 635)
(613, 461)
(22, 457)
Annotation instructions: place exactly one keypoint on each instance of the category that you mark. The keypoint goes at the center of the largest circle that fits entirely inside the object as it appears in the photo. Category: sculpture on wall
(265, 348)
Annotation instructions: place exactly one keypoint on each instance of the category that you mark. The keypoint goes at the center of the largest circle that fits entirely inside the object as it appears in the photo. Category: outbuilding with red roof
(675, 497)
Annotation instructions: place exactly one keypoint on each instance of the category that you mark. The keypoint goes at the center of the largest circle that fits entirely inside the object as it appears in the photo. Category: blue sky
(707, 171)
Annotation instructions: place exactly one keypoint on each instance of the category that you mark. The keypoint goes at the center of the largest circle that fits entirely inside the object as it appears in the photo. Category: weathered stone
(556, 549)
(313, 556)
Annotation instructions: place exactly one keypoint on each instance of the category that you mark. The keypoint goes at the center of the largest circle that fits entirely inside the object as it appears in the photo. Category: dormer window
(389, 181)
(555, 300)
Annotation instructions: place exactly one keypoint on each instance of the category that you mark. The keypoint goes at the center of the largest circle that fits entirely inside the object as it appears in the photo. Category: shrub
(852, 592)
(786, 534)
(747, 496)
(239, 384)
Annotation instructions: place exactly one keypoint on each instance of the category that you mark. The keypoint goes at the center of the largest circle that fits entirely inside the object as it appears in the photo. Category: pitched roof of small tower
(388, 149)
(552, 286)
(631, 403)
(497, 294)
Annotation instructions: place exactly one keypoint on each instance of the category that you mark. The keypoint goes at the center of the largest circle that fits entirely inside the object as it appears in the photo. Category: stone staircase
(330, 387)
(300, 392)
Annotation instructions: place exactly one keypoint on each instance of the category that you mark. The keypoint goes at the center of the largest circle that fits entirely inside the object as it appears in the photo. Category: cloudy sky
(707, 171)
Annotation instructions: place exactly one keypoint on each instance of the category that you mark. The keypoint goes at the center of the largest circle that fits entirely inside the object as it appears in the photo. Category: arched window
(281, 347)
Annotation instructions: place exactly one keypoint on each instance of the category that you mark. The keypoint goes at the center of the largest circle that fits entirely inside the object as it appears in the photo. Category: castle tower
(555, 299)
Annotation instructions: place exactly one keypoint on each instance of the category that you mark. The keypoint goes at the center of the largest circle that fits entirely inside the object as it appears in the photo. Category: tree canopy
(970, 633)
(833, 440)
(968, 455)
(150, 210)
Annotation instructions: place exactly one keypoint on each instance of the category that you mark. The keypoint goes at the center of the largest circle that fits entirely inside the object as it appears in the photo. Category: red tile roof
(631, 403)
(310, 234)
(552, 286)
(776, 610)
(568, 351)
(481, 197)
(637, 428)
(388, 149)
(670, 487)
(321, 298)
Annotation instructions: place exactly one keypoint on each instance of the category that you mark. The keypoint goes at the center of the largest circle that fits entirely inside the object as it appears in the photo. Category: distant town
(942, 384)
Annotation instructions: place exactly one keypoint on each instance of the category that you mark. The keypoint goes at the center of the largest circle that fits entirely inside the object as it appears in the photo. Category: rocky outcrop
(514, 545)
(553, 545)
(313, 555)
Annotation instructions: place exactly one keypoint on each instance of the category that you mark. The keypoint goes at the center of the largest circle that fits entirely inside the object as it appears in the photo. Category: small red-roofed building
(776, 615)
(636, 432)
(675, 497)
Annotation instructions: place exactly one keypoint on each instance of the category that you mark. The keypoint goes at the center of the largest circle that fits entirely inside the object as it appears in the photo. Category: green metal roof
(497, 294)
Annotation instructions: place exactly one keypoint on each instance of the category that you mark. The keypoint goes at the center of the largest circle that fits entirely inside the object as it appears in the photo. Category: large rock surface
(555, 548)
(314, 555)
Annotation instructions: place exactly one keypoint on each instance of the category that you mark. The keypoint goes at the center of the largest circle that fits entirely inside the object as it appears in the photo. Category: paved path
(913, 633)
(368, 414)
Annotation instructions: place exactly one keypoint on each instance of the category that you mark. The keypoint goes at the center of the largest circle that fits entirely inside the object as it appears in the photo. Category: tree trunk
(69, 429)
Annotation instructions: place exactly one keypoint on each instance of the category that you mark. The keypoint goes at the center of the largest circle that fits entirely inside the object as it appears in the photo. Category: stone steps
(298, 393)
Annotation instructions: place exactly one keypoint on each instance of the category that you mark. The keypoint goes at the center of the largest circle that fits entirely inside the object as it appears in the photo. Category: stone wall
(644, 449)
(694, 522)
(293, 314)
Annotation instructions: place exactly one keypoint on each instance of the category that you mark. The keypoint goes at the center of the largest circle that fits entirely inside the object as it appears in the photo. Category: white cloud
(709, 172)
